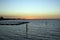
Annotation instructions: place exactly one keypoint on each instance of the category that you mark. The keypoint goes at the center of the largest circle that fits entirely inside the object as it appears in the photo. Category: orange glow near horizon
(32, 16)
(35, 17)
(42, 17)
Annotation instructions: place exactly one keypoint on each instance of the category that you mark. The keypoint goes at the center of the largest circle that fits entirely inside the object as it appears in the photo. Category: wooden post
(46, 22)
(26, 30)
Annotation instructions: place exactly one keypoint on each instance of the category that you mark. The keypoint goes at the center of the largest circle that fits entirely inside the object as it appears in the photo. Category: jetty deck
(17, 23)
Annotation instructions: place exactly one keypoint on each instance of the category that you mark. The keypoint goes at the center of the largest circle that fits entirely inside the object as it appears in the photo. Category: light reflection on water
(38, 30)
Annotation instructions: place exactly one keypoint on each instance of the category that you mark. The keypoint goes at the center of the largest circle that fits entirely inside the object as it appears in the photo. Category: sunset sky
(30, 9)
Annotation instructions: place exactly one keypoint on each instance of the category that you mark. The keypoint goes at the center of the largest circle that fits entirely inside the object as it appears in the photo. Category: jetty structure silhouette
(15, 23)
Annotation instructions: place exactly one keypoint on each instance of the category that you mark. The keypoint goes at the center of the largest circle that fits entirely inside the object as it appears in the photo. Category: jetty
(17, 23)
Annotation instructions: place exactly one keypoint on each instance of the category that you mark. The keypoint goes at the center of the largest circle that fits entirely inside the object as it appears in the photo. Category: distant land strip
(2, 18)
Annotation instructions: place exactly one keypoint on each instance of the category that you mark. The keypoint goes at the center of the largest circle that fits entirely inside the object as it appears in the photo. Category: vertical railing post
(26, 30)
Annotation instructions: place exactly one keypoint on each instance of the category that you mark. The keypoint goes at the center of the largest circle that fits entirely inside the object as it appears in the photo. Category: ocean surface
(37, 30)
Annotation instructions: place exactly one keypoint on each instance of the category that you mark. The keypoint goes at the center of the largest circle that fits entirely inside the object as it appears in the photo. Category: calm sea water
(37, 30)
